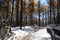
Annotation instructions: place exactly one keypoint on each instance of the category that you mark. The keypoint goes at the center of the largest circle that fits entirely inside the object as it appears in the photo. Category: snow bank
(24, 35)
(18, 35)
(41, 35)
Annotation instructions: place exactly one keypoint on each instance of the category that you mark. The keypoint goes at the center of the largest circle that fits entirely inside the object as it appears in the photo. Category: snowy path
(28, 34)
(41, 35)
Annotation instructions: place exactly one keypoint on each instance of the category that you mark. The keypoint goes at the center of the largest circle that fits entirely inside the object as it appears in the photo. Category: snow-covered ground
(29, 33)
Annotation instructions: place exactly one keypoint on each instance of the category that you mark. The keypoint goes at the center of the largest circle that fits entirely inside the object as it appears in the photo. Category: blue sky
(43, 2)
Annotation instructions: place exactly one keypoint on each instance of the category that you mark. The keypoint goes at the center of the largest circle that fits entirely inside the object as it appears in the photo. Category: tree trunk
(50, 11)
(48, 16)
(31, 18)
(31, 14)
(58, 13)
(54, 15)
(12, 11)
(21, 15)
(26, 20)
(17, 12)
(7, 8)
(39, 11)
(0, 6)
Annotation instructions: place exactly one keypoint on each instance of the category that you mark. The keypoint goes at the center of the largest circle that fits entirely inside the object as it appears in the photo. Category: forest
(21, 13)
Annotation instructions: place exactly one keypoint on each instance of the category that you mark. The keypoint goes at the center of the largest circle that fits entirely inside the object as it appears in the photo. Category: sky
(43, 2)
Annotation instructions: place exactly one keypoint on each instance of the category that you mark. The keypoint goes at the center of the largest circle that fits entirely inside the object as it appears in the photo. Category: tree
(7, 8)
(32, 10)
(21, 15)
(58, 12)
(54, 7)
(50, 2)
(24, 6)
(43, 9)
(39, 11)
(0, 5)
(27, 13)
(17, 12)
(12, 11)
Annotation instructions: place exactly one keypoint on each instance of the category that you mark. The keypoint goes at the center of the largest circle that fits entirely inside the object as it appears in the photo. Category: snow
(20, 33)
(40, 34)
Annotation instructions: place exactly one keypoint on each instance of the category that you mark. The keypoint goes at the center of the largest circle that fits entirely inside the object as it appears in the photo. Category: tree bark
(12, 11)
(17, 12)
(58, 13)
(21, 15)
(31, 14)
(7, 8)
(39, 11)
